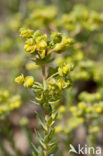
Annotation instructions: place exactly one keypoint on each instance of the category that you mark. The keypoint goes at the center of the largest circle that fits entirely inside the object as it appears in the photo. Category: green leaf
(53, 143)
(54, 102)
(35, 150)
(51, 149)
(36, 103)
(51, 133)
(41, 123)
(33, 154)
(41, 153)
(40, 140)
(49, 122)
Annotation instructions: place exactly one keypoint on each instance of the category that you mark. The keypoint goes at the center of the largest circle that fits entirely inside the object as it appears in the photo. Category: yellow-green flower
(29, 48)
(26, 33)
(29, 81)
(65, 69)
(82, 105)
(95, 129)
(97, 109)
(58, 129)
(42, 45)
(19, 79)
(62, 109)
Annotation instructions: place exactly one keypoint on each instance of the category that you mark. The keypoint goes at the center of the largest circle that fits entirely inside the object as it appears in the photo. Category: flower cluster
(28, 81)
(91, 105)
(88, 97)
(85, 68)
(8, 103)
(65, 69)
(81, 18)
(41, 17)
(38, 44)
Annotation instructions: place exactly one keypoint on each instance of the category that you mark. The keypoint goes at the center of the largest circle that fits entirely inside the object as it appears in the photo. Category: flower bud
(29, 42)
(67, 42)
(58, 47)
(65, 69)
(26, 33)
(82, 106)
(42, 53)
(56, 37)
(19, 79)
(58, 129)
(61, 84)
(89, 109)
(24, 121)
(37, 34)
(30, 49)
(29, 81)
(98, 109)
(95, 129)
(42, 45)
(62, 109)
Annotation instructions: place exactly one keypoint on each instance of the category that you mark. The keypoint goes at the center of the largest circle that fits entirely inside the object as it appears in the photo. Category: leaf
(36, 103)
(53, 143)
(33, 154)
(40, 140)
(41, 123)
(49, 121)
(54, 102)
(52, 149)
(51, 133)
(35, 150)
(41, 153)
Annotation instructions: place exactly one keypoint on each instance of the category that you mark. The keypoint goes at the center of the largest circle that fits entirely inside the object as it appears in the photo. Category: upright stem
(44, 75)
(45, 153)
(43, 72)
(44, 83)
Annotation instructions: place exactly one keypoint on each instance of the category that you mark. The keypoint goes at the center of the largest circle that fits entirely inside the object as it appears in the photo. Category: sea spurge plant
(81, 18)
(48, 93)
(90, 109)
(85, 68)
(8, 103)
(87, 97)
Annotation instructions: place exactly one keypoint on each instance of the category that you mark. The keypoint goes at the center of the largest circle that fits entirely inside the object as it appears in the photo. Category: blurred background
(17, 111)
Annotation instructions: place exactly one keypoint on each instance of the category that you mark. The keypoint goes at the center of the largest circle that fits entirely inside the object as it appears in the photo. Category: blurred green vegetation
(81, 105)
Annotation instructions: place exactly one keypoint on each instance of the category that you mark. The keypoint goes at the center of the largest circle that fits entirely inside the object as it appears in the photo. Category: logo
(85, 149)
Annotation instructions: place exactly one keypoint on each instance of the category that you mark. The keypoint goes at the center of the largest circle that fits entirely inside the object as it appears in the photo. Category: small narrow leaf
(35, 150)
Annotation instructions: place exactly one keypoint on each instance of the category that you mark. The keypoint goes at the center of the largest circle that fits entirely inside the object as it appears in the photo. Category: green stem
(44, 75)
(52, 76)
